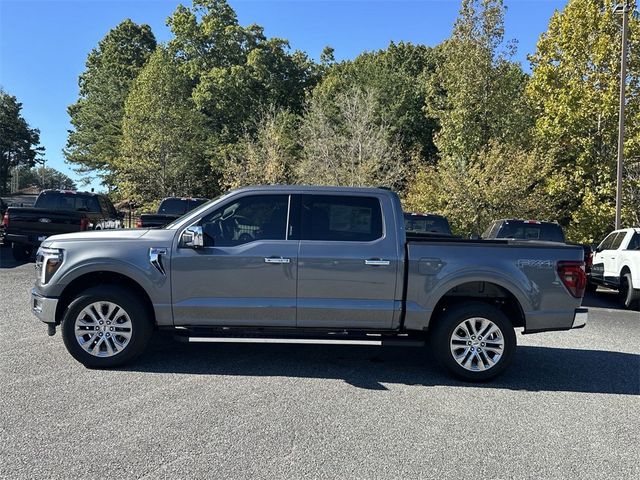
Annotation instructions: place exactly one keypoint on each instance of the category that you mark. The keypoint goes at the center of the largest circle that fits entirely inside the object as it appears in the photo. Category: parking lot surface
(567, 408)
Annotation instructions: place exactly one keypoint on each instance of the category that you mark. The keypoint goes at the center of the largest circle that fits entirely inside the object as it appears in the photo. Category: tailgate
(40, 222)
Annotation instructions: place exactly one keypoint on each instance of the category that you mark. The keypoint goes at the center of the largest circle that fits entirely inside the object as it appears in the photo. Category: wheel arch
(488, 292)
(98, 278)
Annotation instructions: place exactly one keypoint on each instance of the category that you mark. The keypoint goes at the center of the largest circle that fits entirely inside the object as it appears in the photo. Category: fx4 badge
(533, 263)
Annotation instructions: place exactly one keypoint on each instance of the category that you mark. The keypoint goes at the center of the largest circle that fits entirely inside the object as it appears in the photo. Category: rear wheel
(21, 252)
(106, 327)
(629, 296)
(474, 341)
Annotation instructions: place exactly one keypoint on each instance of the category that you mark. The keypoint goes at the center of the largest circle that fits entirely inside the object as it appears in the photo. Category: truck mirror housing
(192, 237)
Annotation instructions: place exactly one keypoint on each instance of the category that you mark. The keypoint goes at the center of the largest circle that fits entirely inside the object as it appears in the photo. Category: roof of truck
(314, 188)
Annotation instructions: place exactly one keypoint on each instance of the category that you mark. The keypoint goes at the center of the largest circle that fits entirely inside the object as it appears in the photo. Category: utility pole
(623, 9)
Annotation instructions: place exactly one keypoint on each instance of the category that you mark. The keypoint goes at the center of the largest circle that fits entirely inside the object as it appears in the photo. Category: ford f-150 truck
(616, 265)
(293, 264)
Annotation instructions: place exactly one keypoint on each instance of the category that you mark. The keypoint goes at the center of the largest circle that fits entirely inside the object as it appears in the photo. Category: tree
(19, 143)
(43, 177)
(574, 89)
(269, 156)
(349, 146)
(476, 93)
(499, 182)
(395, 77)
(163, 147)
(95, 141)
(236, 71)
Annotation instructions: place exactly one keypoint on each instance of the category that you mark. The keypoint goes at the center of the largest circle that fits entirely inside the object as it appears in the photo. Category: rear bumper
(556, 321)
(44, 307)
(31, 240)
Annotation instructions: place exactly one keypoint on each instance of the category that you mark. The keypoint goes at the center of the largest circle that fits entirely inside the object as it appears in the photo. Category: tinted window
(426, 224)
(606, 243)
(341, 218)
(634, 244)
(173, 206)
(196, 202)
(617, 241)
(532, 231)
(68, 201)
(258, 217)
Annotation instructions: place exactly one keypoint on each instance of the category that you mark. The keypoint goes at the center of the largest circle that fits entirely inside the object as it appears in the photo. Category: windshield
(531, 231)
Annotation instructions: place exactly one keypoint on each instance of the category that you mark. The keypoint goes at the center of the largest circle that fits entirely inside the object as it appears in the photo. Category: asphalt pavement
(567, 408)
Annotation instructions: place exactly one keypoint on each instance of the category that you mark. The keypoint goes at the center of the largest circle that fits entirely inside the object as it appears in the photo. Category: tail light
(573, 276)
(5, 220)
(84, 224)
(138, 222)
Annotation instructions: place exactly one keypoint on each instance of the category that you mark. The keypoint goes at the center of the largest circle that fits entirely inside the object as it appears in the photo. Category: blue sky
(44, 43)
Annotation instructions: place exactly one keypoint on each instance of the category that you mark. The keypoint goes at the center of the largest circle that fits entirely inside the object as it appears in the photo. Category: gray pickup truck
(292, 264)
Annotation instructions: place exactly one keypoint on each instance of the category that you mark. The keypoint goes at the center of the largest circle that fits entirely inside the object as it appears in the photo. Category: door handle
(276, 260)
(377, 262)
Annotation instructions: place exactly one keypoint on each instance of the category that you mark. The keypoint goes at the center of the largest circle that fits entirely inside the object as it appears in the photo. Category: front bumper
(580, 318)
(43, 307)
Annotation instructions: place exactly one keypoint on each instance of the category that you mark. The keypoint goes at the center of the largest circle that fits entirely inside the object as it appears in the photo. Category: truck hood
(97, 235)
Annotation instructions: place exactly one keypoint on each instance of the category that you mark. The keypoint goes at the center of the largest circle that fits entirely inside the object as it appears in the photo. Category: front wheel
(106, 327)
(475, 341)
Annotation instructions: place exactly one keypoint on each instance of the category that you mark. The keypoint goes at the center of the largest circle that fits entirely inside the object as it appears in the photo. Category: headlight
(48, 261)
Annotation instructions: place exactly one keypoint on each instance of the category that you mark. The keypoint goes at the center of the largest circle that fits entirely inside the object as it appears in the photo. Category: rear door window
(606, 243)
(341, 218)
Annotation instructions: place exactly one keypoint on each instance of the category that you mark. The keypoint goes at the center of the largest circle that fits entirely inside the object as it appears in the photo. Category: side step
(198, 335)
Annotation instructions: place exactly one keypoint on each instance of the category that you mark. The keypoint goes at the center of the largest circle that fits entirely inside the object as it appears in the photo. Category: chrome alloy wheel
(477, 344)
(103, 329)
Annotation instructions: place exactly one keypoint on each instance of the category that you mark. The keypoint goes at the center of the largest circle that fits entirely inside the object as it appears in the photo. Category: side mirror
(192, 237)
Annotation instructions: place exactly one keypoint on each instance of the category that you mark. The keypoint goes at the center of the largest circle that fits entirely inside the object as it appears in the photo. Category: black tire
(141, 327)
(629, 296)
(21, 252)
(450, 320)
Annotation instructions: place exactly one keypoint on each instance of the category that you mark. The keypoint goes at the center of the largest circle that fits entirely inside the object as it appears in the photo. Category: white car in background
(616, 265)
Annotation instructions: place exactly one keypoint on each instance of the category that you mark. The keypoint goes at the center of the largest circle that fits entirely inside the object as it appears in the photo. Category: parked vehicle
(54, 212)
(325, 265)
(616, 265)
(534, 230)
(428, 223)
(170, 209)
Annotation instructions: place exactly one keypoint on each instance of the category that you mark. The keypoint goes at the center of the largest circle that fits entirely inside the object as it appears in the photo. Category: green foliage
(19, 143)
(267, 157)
(94, 143)
(43, 177)
(476, 94)
(236, 71)
(394, 77)
(574, 89)
(499, 182)
(163, 147)
(348, 146)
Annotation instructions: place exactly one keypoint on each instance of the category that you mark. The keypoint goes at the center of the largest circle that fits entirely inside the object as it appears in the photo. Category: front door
(347, 263)
(247, 271)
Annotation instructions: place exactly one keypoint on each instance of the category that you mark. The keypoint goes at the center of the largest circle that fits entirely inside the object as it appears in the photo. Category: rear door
(347, 263)
(246, 273)
(611, 258)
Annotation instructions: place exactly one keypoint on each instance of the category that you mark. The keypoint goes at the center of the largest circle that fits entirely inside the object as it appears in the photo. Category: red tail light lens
(5, 220)
(590, 259)
(84, 224)
(573, 276)
(138, 223)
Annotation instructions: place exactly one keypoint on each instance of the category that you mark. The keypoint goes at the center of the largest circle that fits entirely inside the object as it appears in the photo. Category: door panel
(348, 264)
(235, 285)
(247, 272)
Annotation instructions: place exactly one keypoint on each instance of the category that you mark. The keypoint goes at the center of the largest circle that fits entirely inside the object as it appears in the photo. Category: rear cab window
(68, 201)
(341, 218)
(524, 230)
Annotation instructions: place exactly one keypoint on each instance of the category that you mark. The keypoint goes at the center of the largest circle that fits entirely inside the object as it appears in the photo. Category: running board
(312, 341)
